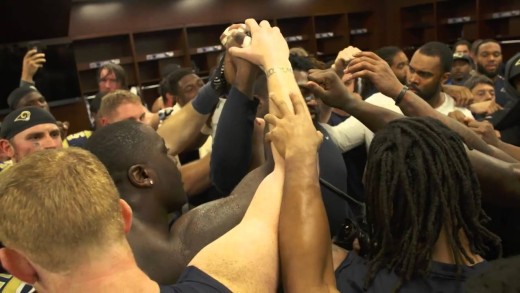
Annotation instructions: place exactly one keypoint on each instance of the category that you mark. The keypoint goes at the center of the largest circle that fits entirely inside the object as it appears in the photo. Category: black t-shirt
(193, 280)
(334, 172)
(351, 274)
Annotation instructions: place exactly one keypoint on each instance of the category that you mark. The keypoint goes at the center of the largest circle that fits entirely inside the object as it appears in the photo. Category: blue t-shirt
(501, 96)
(351, 274)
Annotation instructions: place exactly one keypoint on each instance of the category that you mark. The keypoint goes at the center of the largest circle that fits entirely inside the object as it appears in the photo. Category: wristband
(400, 96)
(206, 100)
(218, 79)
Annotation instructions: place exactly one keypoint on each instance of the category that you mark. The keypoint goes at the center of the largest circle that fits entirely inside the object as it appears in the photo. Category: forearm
(196, 142)
(245, 79)
(298, 236)
(231, 151)
(280, 81)
(499, 183)
(510, 149)
(178, 130)
(195, 176)
(412, 105)
(258, 151)
(372, 116)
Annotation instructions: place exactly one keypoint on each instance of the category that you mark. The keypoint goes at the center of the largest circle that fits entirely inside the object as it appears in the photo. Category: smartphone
(36, 45)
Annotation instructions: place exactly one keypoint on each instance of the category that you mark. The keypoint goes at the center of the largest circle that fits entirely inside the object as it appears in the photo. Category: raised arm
(324, 84)
(369, 65)
(179, 130)
(32, 61)
(232, 144)
(499, 180)
(246, 258)
(269, 50)
(487, 132)
(304, 239)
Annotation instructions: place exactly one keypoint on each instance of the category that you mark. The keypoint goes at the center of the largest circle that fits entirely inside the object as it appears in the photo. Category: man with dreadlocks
(424, 211)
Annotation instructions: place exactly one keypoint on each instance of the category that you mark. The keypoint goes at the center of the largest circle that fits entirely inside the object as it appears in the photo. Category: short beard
(483, 70)
(425, 96)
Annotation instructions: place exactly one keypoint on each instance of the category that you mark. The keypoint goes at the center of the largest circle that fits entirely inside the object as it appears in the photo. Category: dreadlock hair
(420, 181)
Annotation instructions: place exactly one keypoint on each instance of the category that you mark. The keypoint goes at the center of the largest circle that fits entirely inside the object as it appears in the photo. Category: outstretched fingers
(298, 104)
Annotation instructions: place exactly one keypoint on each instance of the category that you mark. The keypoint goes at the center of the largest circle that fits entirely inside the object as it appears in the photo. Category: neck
(110, 270)
(443, 253)
(437, 99)
(145, 208)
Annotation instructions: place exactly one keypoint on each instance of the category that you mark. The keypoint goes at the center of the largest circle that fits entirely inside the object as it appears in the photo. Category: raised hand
(293, 133)
(486, 131)
(459, 116)
(234, 36)
(326, 85)
(344, 57)
(486, 107)
(369, 65)
(239, 72)
(32, 61)
(462, 95)
(268, 46)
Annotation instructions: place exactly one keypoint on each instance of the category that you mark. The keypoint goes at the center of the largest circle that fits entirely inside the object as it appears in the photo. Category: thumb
(238, 52)
(316, 89)
(260, 123)
(320, 135)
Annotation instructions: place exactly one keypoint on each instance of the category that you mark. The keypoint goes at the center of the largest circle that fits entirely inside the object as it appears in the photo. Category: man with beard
(488, 56)
(429, 68)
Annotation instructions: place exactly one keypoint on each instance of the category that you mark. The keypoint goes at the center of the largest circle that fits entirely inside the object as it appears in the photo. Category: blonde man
(115, 106)
(120, 105)
(79, 243)
(27, 130)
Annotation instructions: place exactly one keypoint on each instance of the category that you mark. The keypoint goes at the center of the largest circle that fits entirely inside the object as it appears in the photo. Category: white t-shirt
(352, 133)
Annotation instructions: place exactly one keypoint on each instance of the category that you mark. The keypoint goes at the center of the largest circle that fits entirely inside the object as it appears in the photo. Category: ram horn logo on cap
(24, 116)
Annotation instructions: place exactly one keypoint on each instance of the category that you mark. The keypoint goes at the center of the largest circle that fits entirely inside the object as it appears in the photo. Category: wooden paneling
(33, 19)
(74, 111)
(89, 19)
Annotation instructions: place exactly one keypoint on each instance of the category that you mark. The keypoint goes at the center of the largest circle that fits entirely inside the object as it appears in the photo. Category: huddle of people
(274, 203)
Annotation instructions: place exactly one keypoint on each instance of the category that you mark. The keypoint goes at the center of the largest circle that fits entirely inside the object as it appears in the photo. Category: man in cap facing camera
(461, 69)
(26, 96)
(27, 130)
